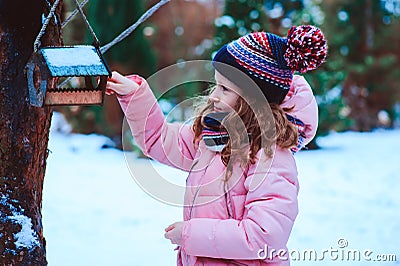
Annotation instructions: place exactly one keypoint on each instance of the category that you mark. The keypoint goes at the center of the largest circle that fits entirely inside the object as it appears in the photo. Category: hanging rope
(70, 17)
(97, 43)
(44, 26)
(129, 30)
(55, 16)
(126, 32)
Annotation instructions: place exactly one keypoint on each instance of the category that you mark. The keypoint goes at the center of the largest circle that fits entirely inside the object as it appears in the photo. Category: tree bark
(24, 133)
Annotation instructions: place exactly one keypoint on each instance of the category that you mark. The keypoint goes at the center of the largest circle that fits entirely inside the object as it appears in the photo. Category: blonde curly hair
(263, 128)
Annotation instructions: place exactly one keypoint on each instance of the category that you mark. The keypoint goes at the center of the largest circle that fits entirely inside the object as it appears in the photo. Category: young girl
(241, 193)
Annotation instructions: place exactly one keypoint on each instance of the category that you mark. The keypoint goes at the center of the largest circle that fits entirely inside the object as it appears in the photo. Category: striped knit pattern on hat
(261, 55)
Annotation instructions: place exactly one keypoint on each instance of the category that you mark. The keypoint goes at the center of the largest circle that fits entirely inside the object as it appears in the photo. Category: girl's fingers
(169, 236)
(166, 235)
(109, 92)
(115, 87)
(170, 227)
(115, 77)
(120, 84)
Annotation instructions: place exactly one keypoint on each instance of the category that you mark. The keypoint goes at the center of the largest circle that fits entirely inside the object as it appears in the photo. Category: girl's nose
(214, 97)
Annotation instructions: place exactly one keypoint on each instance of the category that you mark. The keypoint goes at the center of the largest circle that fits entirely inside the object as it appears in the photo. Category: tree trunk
(24, 133)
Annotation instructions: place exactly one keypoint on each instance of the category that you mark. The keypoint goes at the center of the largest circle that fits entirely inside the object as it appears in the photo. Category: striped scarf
(215, 136)
(214, 133)
(300, 133)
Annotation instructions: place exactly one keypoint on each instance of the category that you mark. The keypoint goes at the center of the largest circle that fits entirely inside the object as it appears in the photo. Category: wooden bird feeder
(50, 64)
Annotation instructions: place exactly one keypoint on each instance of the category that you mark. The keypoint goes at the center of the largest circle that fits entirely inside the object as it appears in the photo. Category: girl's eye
(224, 88)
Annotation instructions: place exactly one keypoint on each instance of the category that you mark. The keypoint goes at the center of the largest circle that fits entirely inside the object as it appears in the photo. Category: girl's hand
(120, 84)
(174, 233)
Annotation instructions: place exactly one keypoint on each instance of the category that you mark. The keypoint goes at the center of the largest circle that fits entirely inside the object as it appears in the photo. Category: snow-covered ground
(94, 213)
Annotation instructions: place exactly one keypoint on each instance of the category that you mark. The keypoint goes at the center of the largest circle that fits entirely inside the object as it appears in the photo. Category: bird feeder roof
(81, 60)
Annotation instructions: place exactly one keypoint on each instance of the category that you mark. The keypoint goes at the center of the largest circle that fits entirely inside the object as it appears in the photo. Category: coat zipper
(198, 188)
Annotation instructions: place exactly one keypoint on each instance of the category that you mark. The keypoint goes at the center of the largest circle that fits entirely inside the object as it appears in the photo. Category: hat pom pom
(307, 48)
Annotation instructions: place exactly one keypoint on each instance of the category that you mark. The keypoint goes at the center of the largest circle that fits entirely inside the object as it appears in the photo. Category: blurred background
(357, 88)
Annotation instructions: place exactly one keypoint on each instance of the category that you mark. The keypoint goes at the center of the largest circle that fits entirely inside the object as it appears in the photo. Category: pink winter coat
(256, 215)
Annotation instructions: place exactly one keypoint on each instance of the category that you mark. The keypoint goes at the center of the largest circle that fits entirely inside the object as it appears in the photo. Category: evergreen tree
(364, 57)
(327, 79)
(240, 17)
(108, 19)
(282, 14)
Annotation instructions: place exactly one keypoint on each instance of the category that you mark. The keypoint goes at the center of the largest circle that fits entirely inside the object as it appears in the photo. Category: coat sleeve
(168, 143)
(270, 211)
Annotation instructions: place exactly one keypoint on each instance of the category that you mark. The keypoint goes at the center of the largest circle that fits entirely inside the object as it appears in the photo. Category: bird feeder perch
(50, 64)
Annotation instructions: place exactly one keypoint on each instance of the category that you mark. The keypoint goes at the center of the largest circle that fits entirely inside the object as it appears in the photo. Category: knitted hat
(270, 60)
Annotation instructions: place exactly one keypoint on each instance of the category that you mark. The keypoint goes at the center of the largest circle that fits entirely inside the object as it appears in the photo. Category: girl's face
(225, 94)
